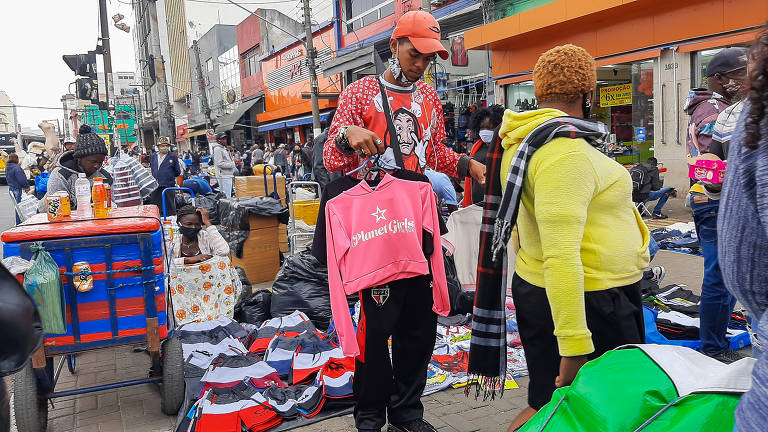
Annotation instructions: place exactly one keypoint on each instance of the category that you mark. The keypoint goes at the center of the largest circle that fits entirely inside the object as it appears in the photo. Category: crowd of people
(581, 244)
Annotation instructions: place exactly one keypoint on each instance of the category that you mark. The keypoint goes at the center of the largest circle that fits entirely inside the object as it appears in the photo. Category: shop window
(520, 97)
(624, 101)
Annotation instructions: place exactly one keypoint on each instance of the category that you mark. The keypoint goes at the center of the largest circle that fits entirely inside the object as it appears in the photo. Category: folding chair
(643, 209)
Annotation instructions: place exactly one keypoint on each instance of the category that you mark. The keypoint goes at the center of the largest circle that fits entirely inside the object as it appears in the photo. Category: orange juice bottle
(99, 198)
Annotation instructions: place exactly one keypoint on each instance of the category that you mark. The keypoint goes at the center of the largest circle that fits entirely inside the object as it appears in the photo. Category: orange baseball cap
(423, 30)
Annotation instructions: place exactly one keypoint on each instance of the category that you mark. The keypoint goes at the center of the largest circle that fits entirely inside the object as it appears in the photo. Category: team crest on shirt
(380, 294)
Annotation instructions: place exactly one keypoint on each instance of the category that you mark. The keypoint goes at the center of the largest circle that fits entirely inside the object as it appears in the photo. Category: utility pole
(426, 5)
(311, 55)
(106, 50)
(201, 84)
(163, 103)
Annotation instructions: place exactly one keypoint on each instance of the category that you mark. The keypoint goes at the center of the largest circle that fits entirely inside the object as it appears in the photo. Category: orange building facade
(287, 116)
(649, 53)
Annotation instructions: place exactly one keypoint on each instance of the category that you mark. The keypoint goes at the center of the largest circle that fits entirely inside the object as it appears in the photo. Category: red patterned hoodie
(417, 115)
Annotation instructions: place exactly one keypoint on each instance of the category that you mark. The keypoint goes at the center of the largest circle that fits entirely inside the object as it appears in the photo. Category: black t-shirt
(336, 187)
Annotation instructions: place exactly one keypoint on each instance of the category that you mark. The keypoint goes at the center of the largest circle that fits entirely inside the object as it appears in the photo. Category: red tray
(120, 221)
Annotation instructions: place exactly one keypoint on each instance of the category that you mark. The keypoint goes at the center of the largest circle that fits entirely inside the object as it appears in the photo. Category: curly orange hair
(564, 74)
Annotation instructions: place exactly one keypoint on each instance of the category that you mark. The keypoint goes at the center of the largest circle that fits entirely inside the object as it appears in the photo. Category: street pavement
(138, 408)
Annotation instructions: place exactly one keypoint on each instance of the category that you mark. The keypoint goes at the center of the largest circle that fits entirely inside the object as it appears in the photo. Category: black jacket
(15, 176)
(653, 182)
(319, 173)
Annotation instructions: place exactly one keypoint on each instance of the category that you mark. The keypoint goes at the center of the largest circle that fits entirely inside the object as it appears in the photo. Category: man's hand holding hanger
(367, 143)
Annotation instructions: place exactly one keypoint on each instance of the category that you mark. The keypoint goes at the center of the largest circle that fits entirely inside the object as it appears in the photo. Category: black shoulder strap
(394, 142)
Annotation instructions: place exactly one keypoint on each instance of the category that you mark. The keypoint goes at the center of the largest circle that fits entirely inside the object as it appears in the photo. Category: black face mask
(586, 106)
(190, 233)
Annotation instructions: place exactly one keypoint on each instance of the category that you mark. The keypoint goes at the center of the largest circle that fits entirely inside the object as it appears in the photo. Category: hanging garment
(364, 223)
(204, 291)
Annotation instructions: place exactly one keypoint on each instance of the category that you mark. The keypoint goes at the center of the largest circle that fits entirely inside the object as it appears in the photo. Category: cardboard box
(283, 234)
(306, 211)
(254, 186)
(261, 251)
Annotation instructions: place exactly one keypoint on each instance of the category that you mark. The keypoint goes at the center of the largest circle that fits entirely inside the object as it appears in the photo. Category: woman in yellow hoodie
(583, 245)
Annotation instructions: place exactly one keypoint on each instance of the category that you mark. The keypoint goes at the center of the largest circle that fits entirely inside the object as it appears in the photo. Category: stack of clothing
(672, 315)
(680, 237)
(243, 377)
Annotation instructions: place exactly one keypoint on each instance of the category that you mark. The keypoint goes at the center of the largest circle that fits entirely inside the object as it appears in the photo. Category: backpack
(640, 179)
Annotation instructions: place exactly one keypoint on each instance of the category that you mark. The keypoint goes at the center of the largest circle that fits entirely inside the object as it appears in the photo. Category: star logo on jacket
(379, 214)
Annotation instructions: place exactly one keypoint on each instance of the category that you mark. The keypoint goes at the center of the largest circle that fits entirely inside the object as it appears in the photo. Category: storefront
(287, 118)
(648, 59)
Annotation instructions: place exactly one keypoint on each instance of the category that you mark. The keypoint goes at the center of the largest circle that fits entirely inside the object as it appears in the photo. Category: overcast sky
(36, 33)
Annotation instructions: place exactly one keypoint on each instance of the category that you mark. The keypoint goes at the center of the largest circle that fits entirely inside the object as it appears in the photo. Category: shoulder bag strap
(394, 142)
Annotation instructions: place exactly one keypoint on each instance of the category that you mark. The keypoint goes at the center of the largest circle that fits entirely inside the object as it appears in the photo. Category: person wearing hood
(583, 245)
(726, 75)
(165, 168)
(88, 158)
(483, 123)
(224, 166)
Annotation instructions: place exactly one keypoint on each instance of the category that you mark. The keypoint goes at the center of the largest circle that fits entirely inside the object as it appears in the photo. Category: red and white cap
(423, 30)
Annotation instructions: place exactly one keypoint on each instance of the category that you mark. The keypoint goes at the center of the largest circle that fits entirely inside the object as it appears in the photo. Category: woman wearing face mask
(482, 123)
(196, 244)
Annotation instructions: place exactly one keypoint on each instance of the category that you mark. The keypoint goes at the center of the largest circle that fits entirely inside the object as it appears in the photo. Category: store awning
(193, 134)
(271, 126)
(227, 123)
(305, 120)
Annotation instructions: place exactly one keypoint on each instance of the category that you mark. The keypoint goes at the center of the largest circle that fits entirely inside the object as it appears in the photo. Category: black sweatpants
(395, 386)
(156, 198)
(614, 316)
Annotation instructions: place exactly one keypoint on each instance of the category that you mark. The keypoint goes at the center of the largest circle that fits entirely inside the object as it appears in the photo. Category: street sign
(640, 134)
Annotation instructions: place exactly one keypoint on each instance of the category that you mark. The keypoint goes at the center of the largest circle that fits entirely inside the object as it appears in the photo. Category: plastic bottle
(99, 193)
(83, 195)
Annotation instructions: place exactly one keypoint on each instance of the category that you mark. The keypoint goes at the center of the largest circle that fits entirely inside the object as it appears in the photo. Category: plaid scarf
(488, 347)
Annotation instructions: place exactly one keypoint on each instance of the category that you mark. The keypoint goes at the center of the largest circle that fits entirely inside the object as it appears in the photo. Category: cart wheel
(72, 364)
(30, 408)
(172, 390)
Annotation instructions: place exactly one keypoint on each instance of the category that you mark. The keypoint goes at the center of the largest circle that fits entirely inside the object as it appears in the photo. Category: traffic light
(88, 89)
(82, 64)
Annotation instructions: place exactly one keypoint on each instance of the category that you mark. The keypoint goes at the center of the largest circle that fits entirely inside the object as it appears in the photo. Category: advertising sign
(616, 95)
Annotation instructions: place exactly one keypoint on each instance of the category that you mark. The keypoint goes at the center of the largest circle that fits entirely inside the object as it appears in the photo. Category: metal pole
(107, 52)
(163, 103)
(311, 54)
(201, 84)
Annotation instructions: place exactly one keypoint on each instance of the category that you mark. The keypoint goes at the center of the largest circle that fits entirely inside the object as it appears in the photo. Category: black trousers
(156, 198)
(395, 386)
(614, 316)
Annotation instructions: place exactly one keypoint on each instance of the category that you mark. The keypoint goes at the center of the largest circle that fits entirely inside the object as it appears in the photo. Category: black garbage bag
(22, 328)
(210, 202)
(462, 301)
(235, 227)
(302, 284)
(182, 199)
(254, 308)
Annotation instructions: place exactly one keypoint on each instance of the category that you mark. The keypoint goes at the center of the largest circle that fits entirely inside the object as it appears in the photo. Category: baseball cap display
(727, 60)
(423, 30)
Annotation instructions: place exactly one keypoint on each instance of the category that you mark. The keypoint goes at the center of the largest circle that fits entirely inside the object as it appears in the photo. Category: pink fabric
(375, 237)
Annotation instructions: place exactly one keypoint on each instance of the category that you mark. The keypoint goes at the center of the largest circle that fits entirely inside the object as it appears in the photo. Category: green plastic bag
(43, 283)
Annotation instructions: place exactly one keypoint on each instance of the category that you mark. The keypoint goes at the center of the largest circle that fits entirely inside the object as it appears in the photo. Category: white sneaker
(658, 274)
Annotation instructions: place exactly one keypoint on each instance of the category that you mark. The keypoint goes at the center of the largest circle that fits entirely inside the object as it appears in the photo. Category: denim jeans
(716, 303)
(442, 186)
(225, 185)
(661, 195)
(16, 195)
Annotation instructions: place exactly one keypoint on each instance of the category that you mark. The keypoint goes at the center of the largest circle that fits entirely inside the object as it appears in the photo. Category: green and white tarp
(649, 388)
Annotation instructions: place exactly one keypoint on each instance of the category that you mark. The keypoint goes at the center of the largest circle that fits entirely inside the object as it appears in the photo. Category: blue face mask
(486, 135)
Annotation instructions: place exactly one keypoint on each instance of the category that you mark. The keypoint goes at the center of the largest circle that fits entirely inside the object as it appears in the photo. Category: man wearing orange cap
(400, 117)
(360, 127)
